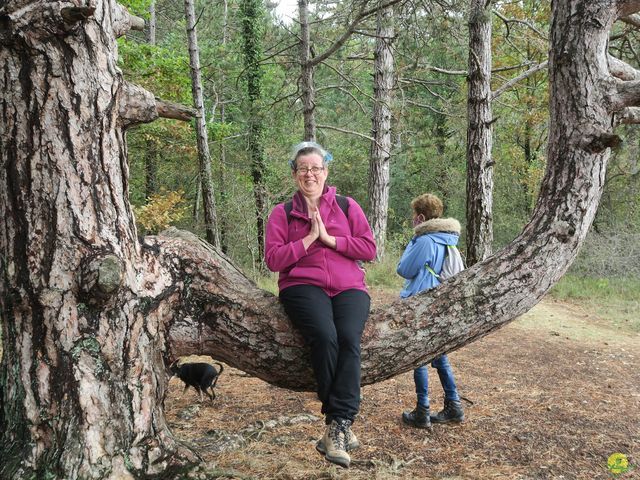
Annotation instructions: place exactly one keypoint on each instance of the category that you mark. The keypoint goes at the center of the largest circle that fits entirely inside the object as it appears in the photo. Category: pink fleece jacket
(332, 270)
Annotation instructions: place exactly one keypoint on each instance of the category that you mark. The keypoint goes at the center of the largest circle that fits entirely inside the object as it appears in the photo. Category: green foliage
(429, 117)
(383, 274)
(137, 7)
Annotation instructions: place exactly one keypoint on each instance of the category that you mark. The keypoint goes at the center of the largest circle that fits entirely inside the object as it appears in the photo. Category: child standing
(420, 261)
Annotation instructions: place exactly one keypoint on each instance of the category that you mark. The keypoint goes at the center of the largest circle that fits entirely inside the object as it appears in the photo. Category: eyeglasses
(305, 170)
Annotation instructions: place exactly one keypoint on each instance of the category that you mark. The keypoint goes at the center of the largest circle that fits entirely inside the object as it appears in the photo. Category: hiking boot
(350, 438)
(334, 442)
(418, 418)
(452, 412)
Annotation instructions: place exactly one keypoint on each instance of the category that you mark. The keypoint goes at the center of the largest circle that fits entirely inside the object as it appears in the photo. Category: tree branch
(362, 15)
(507, 21)
(123, 21)
(349, 132)
(511, 83)
(175, 111)
(137, 105)
(628, 116)
(434, 110)
(631, 20)
(621, 69)
(627, 95)
(346, 92)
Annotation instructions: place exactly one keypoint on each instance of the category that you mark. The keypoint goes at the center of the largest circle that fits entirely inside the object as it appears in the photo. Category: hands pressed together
(318, 231)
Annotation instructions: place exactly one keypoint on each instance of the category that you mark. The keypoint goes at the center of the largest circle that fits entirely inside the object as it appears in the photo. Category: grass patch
(268, 282)
(383, 274)
(614, 299)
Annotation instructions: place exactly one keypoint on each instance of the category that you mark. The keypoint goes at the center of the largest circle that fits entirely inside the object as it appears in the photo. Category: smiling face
(309, 183)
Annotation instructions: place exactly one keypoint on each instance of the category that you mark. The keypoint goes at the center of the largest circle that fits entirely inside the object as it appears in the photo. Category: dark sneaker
(350, 438)
(334, 442)
(418, 418)
(451, 413)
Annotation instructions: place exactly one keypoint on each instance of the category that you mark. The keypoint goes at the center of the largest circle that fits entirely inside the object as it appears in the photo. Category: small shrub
(161, 211)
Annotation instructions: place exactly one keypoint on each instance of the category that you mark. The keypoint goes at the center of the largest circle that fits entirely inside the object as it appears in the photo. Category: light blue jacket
(427, 247)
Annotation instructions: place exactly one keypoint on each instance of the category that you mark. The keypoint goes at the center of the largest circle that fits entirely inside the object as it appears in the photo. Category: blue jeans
(421, 379)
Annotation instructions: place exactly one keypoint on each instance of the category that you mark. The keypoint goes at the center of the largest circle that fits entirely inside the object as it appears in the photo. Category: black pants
(332, 327)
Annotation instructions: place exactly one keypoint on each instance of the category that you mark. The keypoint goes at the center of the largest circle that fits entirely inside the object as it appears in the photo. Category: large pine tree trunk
(383, 80)
(82, 378)
(89, 314)
(479, 140)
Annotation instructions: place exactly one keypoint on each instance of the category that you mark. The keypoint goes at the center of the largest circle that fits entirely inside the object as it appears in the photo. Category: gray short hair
(305, 148)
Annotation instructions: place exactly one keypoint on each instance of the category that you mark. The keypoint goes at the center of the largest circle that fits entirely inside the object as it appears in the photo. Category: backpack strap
(431, 271)
(288, 206)
(343, 203)
(446, 254)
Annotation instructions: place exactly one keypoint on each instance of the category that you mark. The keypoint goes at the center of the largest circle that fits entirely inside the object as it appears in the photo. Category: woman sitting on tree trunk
(315, 241)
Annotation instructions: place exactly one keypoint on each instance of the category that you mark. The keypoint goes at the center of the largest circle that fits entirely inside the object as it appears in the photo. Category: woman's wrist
(330, 241)
(308, 240)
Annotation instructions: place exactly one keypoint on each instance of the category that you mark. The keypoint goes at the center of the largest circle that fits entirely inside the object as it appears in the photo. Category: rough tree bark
(89, 314)
(307, 89)
(151, 154)
(204, 157)
(380, 154)
(479, 139)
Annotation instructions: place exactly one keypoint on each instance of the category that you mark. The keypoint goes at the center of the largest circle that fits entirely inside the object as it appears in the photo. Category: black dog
(201, 376)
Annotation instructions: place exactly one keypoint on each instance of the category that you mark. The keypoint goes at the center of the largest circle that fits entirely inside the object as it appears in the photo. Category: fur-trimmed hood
(445, 225)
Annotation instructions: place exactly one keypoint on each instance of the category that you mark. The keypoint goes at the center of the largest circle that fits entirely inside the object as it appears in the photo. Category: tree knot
(101, 277)
(600, 142)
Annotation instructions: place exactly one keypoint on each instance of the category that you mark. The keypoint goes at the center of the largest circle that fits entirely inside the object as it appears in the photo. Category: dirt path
(553, 394)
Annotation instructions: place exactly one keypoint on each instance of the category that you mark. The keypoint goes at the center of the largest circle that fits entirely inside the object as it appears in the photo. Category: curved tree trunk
(89, 314)
(379, 158)
(479, 140)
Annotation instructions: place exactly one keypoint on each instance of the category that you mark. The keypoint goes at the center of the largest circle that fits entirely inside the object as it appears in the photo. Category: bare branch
(349, 132)
(435, 110)
(511, 83)
(446, 72)
(136, 105)
(123, 21)
(627, 95)
(174, 110)
(348, 80)
(346, 92)
(628, 116)
(622, 70)
(507, 21)
(631, 20)
(362, 15)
